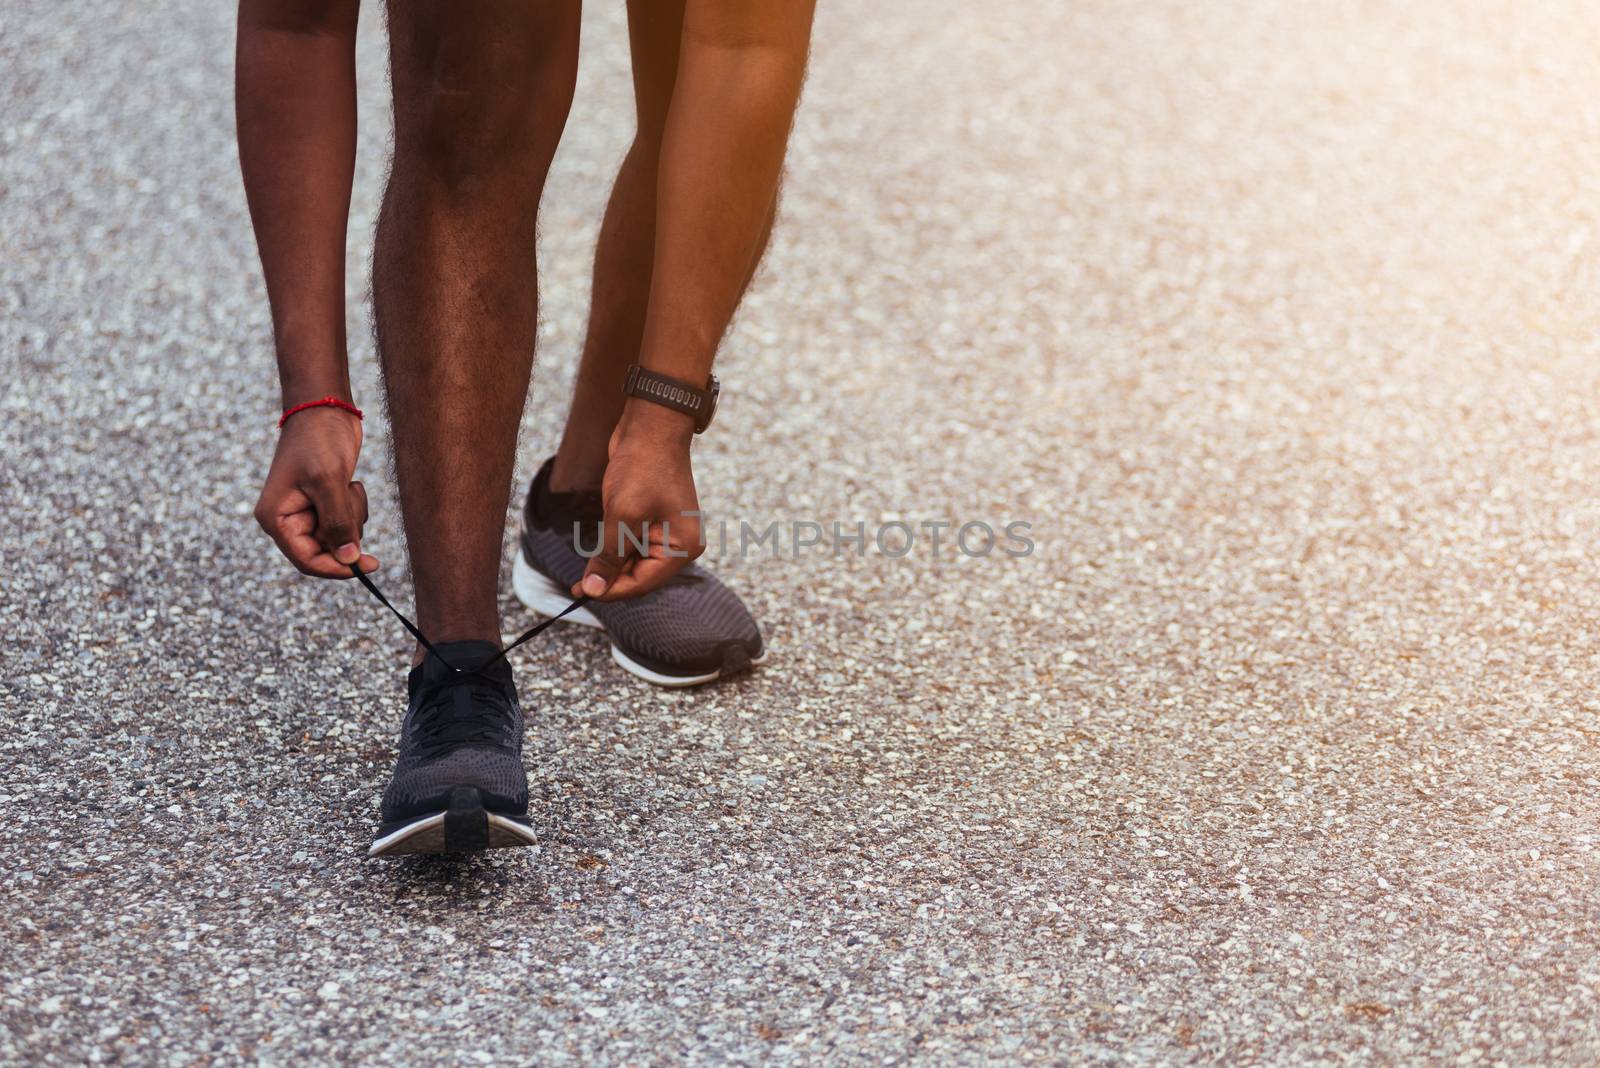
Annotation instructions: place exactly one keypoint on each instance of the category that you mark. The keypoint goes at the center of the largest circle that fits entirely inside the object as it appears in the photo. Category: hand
(648, 487)
(309, 505)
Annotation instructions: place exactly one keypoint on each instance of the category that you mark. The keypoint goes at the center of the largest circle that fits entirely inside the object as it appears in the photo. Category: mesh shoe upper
(461, 729)
(691, 625)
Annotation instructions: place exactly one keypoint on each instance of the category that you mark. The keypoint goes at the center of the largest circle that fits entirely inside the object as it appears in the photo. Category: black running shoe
(692, 630)
(459, 784)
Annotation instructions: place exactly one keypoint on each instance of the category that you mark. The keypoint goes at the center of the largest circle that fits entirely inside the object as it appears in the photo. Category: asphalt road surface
(1277, 323)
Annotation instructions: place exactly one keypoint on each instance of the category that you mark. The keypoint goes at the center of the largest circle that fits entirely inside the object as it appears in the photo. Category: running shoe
(459, 784)
(692, 630)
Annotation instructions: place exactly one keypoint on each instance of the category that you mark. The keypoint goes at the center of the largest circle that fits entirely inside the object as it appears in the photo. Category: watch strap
(680, 396)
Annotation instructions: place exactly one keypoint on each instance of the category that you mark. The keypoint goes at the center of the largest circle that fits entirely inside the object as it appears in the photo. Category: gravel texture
(1278, 323)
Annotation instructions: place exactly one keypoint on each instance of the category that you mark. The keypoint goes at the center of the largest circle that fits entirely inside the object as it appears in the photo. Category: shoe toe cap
(680, 634)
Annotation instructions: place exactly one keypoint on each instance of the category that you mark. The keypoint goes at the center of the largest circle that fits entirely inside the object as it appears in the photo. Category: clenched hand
(648, 487)
(310, 506)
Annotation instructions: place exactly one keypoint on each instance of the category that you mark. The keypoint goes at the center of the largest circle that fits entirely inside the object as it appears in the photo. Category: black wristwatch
(679, 396)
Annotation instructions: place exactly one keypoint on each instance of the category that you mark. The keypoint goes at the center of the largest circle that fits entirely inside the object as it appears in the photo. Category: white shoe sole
(545, 597)
(465, 827)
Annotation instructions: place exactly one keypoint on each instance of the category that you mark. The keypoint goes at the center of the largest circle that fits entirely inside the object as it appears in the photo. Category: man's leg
(624, 253)
(671, 268)
(481, 92)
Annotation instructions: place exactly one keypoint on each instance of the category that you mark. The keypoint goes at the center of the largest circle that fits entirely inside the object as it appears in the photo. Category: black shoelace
(466, 708)
(530, 633)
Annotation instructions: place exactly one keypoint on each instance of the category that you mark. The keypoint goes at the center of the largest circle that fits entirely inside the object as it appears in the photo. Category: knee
(477, 101)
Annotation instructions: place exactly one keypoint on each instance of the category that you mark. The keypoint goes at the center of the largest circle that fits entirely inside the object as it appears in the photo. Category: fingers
(297, 541)
(341, 510)
(606, 565)
(273, 511)
(307, 557)
(620, 570)
(647, 573)
(292, 523)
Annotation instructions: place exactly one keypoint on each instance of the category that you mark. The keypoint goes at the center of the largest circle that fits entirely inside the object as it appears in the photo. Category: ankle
(576, 470)
(459, 654)
(418, 653)
(445, 631)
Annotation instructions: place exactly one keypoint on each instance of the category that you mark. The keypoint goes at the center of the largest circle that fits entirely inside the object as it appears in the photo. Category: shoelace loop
(531, 632)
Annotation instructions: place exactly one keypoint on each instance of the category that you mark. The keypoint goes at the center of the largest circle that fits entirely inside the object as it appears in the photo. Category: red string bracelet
(325, 402)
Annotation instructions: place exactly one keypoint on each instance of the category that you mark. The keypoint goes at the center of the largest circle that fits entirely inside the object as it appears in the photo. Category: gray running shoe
(692, 630)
